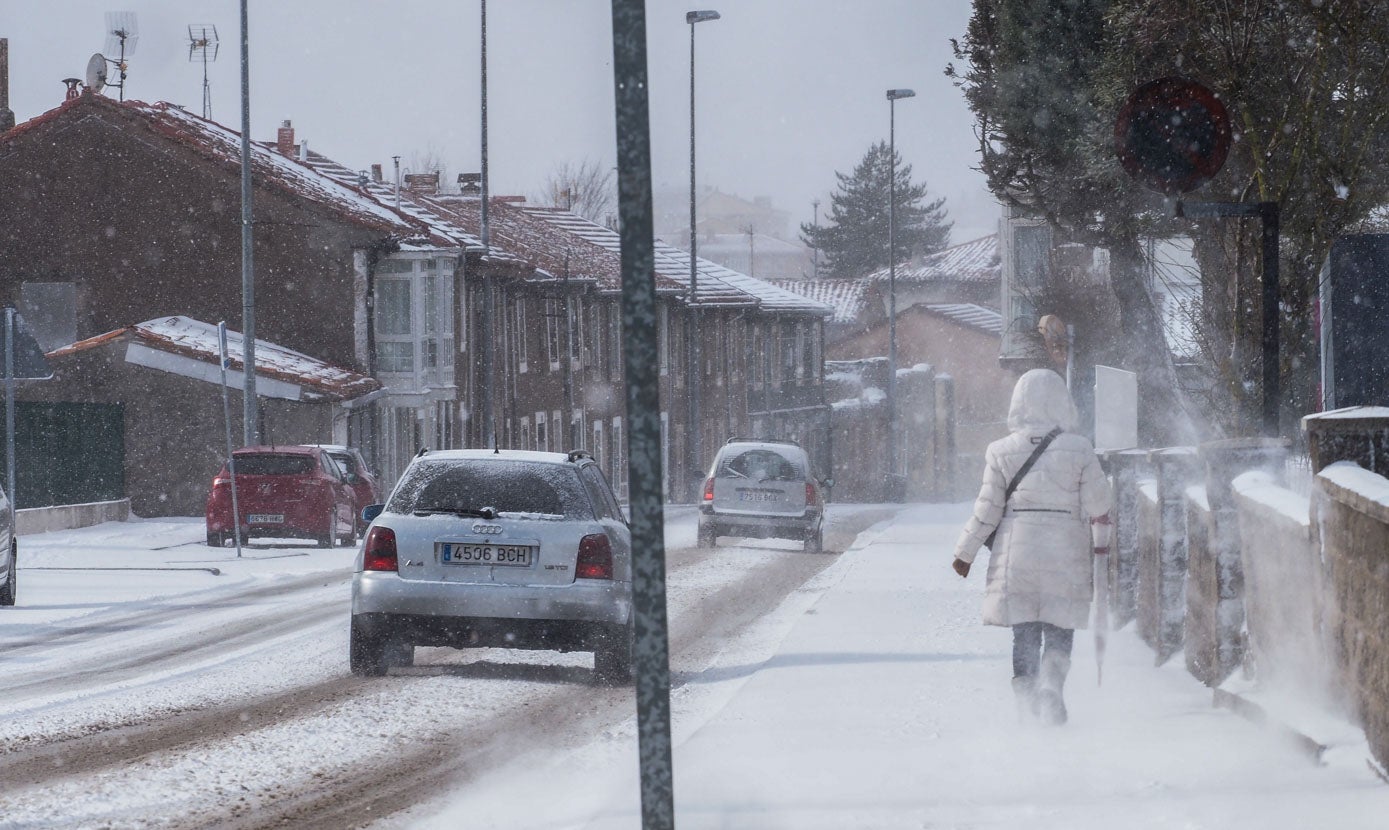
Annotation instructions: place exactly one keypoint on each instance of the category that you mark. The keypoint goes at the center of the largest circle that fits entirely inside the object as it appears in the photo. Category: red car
(365, 486)
(283, 492)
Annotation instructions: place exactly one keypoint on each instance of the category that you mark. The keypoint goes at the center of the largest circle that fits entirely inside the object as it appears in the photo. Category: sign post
(1173, 135)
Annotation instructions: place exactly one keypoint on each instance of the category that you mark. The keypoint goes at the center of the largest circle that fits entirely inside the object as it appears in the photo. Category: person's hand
(961, 567)
(1101, 551)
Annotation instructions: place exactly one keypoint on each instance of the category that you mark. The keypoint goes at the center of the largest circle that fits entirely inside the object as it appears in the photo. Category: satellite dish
(96, 72)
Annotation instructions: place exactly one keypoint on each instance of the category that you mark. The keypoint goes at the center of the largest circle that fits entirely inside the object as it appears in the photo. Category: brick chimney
(376, 173)
(423, 183)
(284, 139)
(6, 116)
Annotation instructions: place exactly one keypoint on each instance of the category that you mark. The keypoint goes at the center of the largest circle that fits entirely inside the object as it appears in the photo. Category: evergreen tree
(855, 239)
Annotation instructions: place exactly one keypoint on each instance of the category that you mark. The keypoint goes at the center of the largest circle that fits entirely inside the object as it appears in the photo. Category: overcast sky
(789, 91)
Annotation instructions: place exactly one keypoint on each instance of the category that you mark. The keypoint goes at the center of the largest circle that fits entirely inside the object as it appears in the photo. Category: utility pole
(249, 402)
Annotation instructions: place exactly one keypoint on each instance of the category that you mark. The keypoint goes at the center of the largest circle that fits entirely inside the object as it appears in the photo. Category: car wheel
(10, 590)
(326, 540)
(815, 541)
(366, 653)
(707, 536)
(612, 659)
(216, 540)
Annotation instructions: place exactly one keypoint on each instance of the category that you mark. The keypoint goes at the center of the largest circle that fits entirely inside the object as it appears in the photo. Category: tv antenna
(122, 34)
(202, 46)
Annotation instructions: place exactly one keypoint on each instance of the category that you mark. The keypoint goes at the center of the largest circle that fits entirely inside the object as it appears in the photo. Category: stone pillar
(1126, 468)
(1358, 433)
(1162, 578)
(1215, 603)
(946, 453)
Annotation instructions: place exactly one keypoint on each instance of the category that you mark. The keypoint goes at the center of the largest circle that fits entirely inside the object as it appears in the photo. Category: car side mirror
(350, 478)
(371, 511)
(827, 482)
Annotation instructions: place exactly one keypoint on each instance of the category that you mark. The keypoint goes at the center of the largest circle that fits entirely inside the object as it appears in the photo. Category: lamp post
(892, 96)
(692, 326)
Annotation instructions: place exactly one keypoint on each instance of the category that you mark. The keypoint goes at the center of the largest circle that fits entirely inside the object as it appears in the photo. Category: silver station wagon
(483, 548)
(761, 489)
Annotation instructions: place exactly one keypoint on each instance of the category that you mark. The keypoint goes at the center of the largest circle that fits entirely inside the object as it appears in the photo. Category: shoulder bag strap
(1022, 471)
(1027, 465)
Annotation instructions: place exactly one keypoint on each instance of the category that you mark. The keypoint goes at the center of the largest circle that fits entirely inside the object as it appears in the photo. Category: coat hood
(1041, 402)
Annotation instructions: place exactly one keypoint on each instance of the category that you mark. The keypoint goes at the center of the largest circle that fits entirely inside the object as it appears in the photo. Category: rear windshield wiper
(481, 513)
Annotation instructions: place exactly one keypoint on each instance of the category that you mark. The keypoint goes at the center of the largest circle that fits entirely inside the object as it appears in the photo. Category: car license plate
(514, 556)
(266, 518)
(759, 495)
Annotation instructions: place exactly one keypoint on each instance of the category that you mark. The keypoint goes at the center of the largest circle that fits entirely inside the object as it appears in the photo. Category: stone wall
(1285, 596)
(1201, 633)
(1350, 520)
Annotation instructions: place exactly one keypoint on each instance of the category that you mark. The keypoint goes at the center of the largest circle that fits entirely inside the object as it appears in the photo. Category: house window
(580, 336)
(619, 460)
(598, 447)
(521, 356)
(615, 332)
(756, 356)
(554, 316)
(788, 352)
(542, 438)
(429, 319)
(802, 352)
(663, 338)
(395, 348)
(395, 357)
(49, 310)
(525, 433)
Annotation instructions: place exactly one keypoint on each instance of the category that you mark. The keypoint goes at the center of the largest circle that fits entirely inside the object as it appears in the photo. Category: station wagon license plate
(462, 553)
(759, 495)
(266, 518)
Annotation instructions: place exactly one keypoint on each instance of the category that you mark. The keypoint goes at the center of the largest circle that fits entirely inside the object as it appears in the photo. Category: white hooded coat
(1040, 568)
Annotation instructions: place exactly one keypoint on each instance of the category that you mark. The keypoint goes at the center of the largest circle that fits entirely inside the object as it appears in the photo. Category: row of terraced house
(120, 244)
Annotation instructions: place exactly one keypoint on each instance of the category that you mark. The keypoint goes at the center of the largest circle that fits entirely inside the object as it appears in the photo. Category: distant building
(748, 236)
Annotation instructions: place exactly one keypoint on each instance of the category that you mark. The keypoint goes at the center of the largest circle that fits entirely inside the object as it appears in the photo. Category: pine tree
(855, 239)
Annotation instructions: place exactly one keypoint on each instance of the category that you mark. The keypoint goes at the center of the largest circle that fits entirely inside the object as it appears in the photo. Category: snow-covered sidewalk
(888, 705)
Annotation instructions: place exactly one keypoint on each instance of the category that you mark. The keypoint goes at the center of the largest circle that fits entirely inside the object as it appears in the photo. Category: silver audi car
(484, 548)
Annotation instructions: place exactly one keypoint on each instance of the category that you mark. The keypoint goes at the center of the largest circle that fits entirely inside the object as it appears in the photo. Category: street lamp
(892, 96)
(692, 327)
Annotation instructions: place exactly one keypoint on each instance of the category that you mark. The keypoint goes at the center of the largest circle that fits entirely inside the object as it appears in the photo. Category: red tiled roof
(223, 146)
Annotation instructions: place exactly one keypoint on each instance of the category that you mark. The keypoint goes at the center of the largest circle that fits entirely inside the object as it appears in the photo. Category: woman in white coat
(1040, 568)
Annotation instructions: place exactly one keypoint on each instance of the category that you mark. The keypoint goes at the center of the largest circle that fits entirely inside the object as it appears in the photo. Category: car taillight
(595, 557)
(380, 553)
(709, 490)
(812, 498)
(220, 482)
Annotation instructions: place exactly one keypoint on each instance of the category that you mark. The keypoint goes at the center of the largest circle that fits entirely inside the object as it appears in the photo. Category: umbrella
(1101, 614)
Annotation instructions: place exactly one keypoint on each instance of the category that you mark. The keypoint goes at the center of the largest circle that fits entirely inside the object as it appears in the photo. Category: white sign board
(1116, 409)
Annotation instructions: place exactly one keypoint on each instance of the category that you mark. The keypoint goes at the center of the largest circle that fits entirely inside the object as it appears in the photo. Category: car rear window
(274, 465)
(760, 465)
(345, 461)
(515, 487)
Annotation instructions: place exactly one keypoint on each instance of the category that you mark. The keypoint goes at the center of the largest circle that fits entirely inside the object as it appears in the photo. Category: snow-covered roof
(223, 146)
(717, 285)
(194, 339)
(969, 314)
(974, 261)
(443, 230)
(848, 298)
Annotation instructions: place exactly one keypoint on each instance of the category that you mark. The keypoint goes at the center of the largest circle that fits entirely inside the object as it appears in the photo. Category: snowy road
(180, 698)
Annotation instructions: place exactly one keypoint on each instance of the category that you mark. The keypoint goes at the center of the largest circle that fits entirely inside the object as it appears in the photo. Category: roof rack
(741, 440)
(422, 451)
(575, 455)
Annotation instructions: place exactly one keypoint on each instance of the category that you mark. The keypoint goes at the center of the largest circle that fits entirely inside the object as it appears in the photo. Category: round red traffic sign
(1172, 135)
